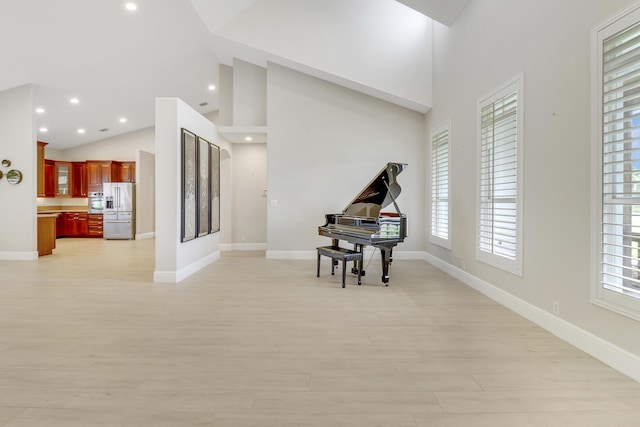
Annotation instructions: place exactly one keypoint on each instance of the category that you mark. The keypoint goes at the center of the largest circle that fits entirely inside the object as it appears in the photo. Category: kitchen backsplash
(55, 202)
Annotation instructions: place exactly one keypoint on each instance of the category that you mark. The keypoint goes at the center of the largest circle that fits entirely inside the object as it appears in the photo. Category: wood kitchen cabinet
(76, 224)
(127, 171)
(41, 176)
(79, 185)
(49, 178)
(94, 176)
(46, 234)
(78, 179)
(100, 171)
(95, 224)
(60, 225)
(63, 178)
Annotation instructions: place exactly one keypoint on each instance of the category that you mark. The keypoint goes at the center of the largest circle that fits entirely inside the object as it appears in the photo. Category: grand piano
(362, 224)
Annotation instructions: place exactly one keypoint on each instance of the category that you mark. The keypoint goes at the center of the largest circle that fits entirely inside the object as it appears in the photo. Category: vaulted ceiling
(116, 61)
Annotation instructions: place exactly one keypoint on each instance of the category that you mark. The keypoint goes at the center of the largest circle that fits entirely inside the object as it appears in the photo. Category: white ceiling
(117, 62)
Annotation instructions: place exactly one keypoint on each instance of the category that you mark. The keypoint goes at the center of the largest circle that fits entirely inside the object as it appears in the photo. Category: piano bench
(339, 254)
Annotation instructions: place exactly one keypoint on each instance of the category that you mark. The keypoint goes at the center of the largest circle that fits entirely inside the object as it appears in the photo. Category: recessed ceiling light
(212, 87)
(39, 110)
(123, 120)
(43, 129)
(80, 131)
(131, 6)
(248, 138)
(74, 100)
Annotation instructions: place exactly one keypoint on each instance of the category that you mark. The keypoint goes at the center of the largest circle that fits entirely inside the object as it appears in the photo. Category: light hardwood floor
(86, 339)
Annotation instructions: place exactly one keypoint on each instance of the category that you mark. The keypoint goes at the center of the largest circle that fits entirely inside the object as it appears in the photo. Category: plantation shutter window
(621, 162)
(440, 209)
(499, 210)
(615, 248)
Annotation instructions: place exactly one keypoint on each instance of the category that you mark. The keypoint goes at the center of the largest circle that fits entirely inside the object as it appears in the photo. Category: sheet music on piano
(362, 224)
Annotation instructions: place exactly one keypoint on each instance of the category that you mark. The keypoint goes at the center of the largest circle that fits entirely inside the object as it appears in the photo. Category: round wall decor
(14, 176)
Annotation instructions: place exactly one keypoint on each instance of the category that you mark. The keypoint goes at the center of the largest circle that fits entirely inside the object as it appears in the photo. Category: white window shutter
(620, 222)
(440, 189)
(500, 178)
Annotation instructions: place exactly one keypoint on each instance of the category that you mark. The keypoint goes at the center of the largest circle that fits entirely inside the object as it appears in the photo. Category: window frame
(435, 239)
(618, 302)
(513, 266)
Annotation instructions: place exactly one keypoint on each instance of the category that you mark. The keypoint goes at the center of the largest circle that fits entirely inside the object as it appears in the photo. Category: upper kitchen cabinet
(63, 178)
(100, 171)
(127, 172)
(80, 182)
(41, 178)
(49, 178)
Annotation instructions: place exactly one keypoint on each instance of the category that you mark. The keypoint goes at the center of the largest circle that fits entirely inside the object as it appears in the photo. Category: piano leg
(385, 254)
(358, 264)
(335, 243)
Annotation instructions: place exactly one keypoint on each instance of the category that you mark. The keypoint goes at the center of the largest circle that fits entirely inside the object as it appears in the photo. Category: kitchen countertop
(51, 208)
(56, 211)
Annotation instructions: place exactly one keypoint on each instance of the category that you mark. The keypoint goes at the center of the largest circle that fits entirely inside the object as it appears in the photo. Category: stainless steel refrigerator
(119, 210)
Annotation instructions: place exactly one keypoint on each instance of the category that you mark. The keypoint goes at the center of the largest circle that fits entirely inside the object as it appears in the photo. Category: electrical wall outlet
(556, 308)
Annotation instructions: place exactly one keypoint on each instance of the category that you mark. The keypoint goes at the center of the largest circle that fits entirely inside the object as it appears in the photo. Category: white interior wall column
(18, 216)
(177, 260)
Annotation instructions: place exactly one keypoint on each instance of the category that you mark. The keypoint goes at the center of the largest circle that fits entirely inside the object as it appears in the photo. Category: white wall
(388, 54)
(52, 153)
(122, 147)
(325, 144)
(249, 94)
(145, 194)
(18, 221)
(176, 260)
(549, 41)
(225, 96)
(249, 229)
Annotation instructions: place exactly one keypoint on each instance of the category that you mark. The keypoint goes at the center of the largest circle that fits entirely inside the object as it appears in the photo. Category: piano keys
(362, 224)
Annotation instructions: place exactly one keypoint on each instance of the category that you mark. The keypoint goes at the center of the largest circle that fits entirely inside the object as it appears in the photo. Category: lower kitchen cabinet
(46, 234)
(76, 224)
(60, 225)
(95, 225)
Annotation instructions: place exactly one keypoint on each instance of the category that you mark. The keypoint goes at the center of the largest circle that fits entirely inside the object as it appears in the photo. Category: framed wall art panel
(204, 187)
(215, 188)
(189, 186)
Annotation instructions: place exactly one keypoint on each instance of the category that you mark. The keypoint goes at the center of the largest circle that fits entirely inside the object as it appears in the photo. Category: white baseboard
(165, 277)
(143, 236)
(226, 247)
(183, 273)
(610, 354)
(18, 256)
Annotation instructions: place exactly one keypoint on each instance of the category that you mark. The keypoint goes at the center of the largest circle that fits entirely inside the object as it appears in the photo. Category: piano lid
(375, 196)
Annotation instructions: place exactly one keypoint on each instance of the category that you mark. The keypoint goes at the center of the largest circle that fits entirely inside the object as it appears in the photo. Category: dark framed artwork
(204, 188)
(215, 188)
(189, 186)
